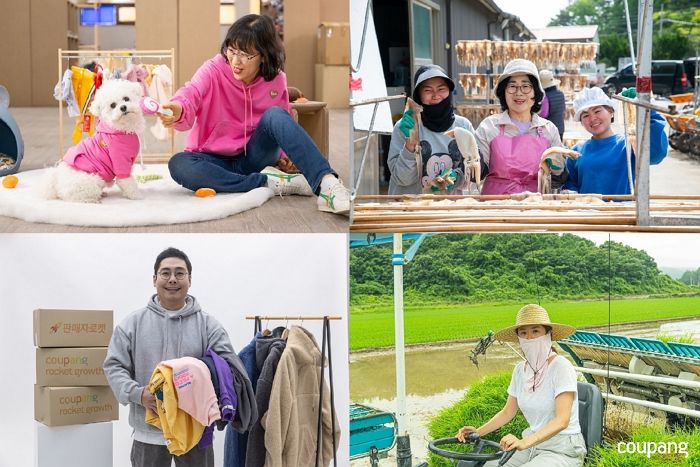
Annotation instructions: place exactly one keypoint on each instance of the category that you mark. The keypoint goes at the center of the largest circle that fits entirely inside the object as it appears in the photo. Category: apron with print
(514, 163)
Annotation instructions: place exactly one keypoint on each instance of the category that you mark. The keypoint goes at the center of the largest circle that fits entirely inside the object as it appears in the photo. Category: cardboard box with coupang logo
(72, 328)
(70, 366)
(57, 406)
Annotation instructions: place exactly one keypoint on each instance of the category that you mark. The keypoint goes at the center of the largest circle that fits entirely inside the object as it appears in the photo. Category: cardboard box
(72, 328)
(71, 366)
(333, 44)
(313, 117)
(74, 405)
(332, 85)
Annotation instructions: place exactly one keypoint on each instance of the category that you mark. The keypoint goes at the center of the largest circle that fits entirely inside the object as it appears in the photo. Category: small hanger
(266, 332)
(285, 333)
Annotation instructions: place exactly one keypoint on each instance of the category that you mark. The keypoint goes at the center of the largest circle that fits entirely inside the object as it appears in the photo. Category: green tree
(675, 42)
(612, 47)
(670, 45)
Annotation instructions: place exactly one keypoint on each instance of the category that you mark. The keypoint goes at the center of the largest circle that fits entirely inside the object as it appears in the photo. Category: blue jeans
(236, 174)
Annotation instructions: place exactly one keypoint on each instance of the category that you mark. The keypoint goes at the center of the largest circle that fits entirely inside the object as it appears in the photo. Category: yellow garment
(83, 82)
(181, 431)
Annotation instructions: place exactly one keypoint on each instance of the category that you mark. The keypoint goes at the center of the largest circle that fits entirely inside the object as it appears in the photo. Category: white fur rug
(164, 202)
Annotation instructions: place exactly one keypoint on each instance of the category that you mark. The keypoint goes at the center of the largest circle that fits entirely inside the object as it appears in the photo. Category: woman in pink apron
(512, 142)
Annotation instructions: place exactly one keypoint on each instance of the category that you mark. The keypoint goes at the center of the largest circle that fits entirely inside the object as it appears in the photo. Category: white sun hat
(590, 97)
(520, 66)
(547, 79)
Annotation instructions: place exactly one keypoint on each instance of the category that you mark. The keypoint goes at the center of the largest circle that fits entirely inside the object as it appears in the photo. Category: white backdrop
(232, 276)
(370, 71)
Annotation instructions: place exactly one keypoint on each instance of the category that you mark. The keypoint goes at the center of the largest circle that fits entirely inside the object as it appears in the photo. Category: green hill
(479, 268)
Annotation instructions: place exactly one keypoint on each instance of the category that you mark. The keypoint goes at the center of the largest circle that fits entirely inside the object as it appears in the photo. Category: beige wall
(198, 38)
(301, 21)
(29, 65)
(49, 26)
(32, 33)
(337, 11)
(192, 28)
(15, 61)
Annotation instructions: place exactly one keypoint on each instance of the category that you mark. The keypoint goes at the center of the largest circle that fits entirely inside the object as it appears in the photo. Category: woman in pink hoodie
(237, 108)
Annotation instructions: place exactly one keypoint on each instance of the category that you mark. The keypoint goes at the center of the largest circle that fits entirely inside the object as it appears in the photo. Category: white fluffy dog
(109, 154)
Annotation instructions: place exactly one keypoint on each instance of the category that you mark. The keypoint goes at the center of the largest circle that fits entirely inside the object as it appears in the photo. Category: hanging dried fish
(414, 135)
(470, 152)
(544, 175)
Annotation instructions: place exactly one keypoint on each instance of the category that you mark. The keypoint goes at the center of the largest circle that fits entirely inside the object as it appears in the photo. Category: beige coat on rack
(291, 419)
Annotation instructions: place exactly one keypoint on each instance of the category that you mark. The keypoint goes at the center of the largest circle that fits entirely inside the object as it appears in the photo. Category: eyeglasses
(523, 88)
(242, 56)
(166, 274)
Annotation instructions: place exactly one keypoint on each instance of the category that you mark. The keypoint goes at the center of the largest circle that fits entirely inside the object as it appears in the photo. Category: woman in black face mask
(439, 153)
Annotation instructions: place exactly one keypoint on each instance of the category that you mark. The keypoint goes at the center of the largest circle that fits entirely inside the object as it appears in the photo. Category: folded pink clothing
(194, 389)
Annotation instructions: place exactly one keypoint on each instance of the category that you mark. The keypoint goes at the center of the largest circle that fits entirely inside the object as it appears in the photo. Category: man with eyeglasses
(172, 325)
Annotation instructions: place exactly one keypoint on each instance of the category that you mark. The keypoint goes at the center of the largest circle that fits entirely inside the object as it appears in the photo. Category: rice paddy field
(372, 327)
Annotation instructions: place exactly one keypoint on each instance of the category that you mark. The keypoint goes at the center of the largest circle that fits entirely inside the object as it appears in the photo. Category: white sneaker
(335, 199)
(283, 183)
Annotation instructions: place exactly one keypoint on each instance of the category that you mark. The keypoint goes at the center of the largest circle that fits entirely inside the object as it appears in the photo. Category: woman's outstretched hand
(464, 432)
(169, 120)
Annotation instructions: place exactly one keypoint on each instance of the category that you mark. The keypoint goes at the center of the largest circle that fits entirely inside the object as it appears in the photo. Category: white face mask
(536, 352)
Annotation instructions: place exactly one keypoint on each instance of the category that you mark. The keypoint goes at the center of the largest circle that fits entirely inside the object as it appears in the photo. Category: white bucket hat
(590, 97)
(520, 66)
(547, 79)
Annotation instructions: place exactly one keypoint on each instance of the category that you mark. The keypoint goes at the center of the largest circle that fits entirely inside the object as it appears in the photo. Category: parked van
(691, 70)
(667, 77)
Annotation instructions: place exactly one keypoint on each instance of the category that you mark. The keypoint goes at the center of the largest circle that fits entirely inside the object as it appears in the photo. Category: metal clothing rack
(121, 54)
(376, 101)
(325, 356)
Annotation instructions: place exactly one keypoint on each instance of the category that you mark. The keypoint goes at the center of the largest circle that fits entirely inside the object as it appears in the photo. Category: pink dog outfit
(109, 153)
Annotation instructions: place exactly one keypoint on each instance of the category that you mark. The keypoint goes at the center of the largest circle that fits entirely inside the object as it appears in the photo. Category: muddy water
(438, 368)
(429, 370)
(437, 376)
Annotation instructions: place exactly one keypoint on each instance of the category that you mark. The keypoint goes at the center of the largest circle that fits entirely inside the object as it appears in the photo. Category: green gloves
(407, 122)
(556, 163)
(629, 93)
(445, 181)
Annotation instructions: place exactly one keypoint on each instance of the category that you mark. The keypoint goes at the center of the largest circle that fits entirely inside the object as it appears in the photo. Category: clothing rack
(325, 356)
(67, 56)
(295, 318)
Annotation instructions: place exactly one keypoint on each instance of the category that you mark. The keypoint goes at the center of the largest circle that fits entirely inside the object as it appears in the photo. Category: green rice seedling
(682, 339)
(653, 447)
(373, 327)
(481, 402)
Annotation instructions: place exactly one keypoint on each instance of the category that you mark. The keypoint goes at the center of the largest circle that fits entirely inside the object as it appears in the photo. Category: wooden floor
(39, 127)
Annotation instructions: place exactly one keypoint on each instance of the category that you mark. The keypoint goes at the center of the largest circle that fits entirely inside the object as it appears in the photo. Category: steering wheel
(474, 456)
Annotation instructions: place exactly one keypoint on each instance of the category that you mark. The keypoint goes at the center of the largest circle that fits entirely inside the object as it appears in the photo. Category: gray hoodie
(403, 164)
(153, 334)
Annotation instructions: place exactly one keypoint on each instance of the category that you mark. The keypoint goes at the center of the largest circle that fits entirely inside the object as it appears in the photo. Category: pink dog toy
(150, 106)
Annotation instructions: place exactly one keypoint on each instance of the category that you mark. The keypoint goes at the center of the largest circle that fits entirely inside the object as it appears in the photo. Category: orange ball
(204, 192)
(10, 181)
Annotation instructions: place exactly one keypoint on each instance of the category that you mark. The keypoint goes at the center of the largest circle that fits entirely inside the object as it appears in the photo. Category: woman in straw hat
(511, 143)
(543, 387)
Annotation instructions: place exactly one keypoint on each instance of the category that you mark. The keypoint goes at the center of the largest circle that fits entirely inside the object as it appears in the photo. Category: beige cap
(520, 66)
(547, 79)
